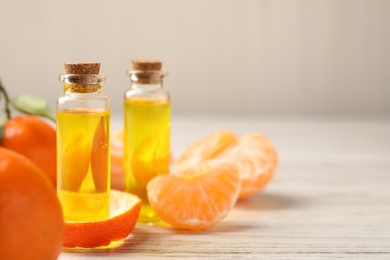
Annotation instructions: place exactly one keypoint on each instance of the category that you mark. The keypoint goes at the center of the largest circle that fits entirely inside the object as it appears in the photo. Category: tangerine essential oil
(83, 169)
(146, 152)
(83, 159)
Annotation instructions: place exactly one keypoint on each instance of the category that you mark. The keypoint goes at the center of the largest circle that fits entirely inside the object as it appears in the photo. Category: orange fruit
(35, 139)
(124, 212)
(253, 155)
(195, 199)
(31, 220)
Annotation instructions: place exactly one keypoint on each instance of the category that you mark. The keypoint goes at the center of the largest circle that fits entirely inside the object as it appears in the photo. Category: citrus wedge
(124, 212)
(255, 158)
(206, 148)
(197, 198)
(253, 155)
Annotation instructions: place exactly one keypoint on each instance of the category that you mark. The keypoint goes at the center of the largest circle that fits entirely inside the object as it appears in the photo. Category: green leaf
(33, 105)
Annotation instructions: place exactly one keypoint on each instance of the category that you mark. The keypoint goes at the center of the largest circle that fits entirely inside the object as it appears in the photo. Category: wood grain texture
(333, 206)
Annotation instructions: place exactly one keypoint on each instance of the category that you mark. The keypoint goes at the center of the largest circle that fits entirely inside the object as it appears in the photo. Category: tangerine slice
(206, 148)
(255, 158)
(124, 212)
(197, 198)
(253, 155)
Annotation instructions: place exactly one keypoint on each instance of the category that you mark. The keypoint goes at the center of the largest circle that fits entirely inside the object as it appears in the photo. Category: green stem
(7, 110)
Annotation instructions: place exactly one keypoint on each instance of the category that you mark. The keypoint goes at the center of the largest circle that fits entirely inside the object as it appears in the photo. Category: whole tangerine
(33, 138)
(31, 220)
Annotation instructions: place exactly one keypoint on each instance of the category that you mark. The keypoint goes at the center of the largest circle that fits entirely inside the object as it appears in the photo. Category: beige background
(225, 57)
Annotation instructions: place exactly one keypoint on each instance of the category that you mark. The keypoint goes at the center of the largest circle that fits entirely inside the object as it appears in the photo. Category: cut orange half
(124, 212)
(197, 198)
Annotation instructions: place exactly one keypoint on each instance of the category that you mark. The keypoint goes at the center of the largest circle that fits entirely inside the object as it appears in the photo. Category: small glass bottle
(83, 161)
(146, 131)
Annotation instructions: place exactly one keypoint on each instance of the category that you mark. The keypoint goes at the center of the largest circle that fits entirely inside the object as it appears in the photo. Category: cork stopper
(82, 77)
(146, 71)
(82, 68)
(146, 65)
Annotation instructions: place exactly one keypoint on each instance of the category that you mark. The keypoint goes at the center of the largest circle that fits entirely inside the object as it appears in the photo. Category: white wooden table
(330, 198)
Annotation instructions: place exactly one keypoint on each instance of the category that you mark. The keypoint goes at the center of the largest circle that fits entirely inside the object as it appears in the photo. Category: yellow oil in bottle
(83, 164)
(146, 150)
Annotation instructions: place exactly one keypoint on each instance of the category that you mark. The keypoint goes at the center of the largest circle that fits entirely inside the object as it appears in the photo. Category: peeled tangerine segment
(253, 155)
(255, 158)
(197, 198)
(124, 212)
(206, 148)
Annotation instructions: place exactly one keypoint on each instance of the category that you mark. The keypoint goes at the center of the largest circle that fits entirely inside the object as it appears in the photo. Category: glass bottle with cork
(83, 161)
(146, 131)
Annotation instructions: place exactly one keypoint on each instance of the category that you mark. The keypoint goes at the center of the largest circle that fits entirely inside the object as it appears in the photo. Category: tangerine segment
(206, 148)
(195, 199)
(253, 155)
(124, 212)
(255, 158)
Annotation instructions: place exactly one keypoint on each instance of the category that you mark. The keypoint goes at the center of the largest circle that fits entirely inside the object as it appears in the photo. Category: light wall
(225, 57)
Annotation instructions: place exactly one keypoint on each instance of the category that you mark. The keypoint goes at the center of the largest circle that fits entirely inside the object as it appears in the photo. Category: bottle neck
(146, 80)
(82, 83)
(82, 88)
(146, 87)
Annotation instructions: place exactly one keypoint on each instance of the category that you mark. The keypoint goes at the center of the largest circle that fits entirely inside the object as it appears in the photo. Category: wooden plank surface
(330, 198)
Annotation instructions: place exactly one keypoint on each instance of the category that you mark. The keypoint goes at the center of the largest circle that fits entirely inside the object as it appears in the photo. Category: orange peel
(124, 212)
